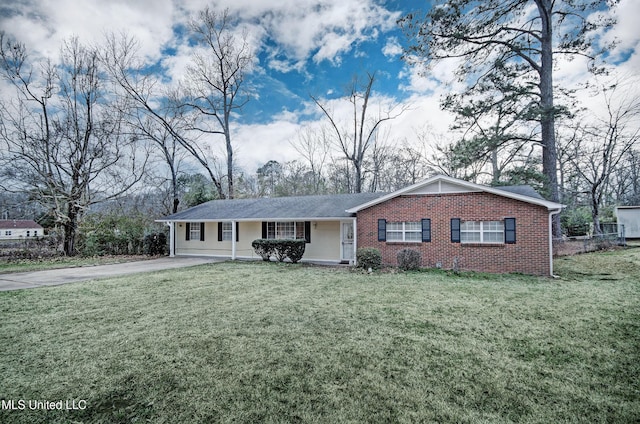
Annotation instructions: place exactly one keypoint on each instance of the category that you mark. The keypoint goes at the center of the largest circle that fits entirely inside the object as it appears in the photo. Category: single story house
(14, 229)
(452, 223)
(628, 217)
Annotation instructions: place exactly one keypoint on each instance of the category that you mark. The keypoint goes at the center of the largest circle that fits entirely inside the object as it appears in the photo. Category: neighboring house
(452, 223)
(13, 229)
(629, 217)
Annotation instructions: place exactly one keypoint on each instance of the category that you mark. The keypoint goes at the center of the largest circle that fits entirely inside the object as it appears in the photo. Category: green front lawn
(267, 342)
(8, 265)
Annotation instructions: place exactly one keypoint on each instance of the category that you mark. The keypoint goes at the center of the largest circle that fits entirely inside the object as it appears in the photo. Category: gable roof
(18, 224)
(442, 184)
(322, 207)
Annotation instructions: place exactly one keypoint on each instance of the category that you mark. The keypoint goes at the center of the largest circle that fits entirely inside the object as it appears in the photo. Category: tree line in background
(98, 131)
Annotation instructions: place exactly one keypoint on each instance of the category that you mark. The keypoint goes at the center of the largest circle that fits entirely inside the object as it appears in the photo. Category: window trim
(482, 231)
(277, 230)
(194, 228)
(227, 233)
(194, 231)
(403, 231)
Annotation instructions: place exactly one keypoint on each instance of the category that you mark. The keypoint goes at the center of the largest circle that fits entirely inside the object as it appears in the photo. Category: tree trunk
(495, 169)
(547, 110)
(70, 227)
(176, 202)
(358, 179)
(229, 163)
(595, 212)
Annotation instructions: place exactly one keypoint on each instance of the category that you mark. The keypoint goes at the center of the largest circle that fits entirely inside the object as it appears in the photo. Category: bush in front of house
(263, 248)
(155, 244)
(281, 249)
(369, 257)
(294, 249)
(409, 259)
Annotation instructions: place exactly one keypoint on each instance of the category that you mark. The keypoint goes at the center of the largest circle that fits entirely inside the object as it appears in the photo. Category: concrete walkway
(54, 277)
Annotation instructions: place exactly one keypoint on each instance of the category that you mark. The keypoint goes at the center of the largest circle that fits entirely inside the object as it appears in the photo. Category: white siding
(20, 233)
(324, 246)
(630, 218)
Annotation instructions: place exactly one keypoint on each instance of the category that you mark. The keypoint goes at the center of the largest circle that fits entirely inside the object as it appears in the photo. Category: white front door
(347, 241)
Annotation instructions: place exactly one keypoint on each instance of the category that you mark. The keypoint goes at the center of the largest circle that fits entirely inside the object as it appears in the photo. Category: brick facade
(529, 255)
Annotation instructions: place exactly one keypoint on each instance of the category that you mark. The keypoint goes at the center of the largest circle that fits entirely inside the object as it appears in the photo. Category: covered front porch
(328, 240)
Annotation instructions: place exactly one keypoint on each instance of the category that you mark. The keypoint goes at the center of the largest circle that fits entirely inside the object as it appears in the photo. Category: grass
(25, 265)
(258, 342)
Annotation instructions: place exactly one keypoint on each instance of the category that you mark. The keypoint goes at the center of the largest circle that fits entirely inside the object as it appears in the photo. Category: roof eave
(316, 218)
(472, 186)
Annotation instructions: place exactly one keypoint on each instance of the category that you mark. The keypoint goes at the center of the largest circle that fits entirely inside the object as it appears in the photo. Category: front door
(347, 241)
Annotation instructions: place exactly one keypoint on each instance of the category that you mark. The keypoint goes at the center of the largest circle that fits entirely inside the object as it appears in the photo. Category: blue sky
(303, 47)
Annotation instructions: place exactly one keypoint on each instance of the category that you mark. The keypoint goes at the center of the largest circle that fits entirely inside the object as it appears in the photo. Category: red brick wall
(529, 255)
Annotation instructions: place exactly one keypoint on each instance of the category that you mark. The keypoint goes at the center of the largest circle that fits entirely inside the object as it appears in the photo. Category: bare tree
(357, 139)
(398, 166)
(167, 147)
(64, 139)
(600, 146)
(216, 77)
(162, 105)
(626, 181)
(314, 147)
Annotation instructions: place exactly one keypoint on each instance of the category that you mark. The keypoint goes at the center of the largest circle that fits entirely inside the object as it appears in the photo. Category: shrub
(263, 247)
(112, 234)
(294, 249)
(369, 257)
(281, 249)
(576, 221)
(409, 259)
(155, 244)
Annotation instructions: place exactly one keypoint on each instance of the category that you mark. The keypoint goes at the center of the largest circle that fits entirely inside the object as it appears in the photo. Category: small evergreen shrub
(369, 257)
(281, 249)
(409, 259)
(294, 249)
(263, 248)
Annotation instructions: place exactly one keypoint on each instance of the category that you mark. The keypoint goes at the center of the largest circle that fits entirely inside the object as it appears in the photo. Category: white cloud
(257, 144)
(392, 49)
(290, 33)
(43, 25)
(625, 31)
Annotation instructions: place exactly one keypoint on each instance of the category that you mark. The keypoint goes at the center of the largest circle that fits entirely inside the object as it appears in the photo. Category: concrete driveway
(54, 277)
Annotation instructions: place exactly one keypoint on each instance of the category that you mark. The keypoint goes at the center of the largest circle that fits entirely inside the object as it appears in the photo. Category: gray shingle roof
(19, 224)
(523, 190)
(298, 207)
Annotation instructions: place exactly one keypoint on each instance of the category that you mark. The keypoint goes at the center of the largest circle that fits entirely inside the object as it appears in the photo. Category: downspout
(551, 214)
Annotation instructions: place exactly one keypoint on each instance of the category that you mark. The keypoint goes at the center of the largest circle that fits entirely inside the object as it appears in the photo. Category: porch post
(233, 240)
(355, 241)
(172, 247)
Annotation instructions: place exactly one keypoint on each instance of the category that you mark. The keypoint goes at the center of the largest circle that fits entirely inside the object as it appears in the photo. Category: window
(482, 232)
(7, 233)
(227, 230)
(35, 233)
(28, 233)
(404, 231)
(195, 231)
(286, 230)
(408, 231)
